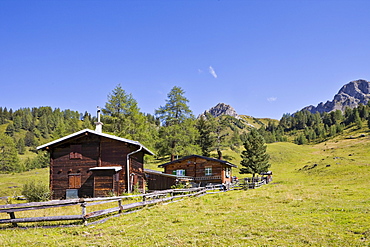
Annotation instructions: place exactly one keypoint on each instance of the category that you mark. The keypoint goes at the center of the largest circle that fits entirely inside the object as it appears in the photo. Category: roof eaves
(199, 156)
(96, 133)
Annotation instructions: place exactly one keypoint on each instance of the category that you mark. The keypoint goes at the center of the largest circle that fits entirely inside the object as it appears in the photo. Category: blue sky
(264, 58)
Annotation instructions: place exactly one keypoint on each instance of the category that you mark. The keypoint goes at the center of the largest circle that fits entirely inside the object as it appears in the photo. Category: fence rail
(147, 199)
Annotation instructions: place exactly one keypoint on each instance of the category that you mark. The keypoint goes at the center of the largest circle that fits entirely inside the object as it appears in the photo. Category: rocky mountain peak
(222, 109)
(350, 95)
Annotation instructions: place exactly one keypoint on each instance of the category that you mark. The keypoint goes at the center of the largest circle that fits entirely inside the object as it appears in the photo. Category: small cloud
(271, 99)
(200, 71)
(212, 72)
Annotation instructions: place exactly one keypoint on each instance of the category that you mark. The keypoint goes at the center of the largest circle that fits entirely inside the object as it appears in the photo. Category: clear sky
(264, 58)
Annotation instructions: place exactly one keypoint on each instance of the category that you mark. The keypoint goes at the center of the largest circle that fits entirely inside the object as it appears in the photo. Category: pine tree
(59, 131)
(86, 123)
(29, 139)
(254, 157)
(301, 139)
(116, 109)
(21, 147)
(357, 118)
(235, 140)
(9, 161)
(43, 126)
(17, 123)
(122, 117)
(220, 130)
(176, 110)
(178, 133)
(10, 129)
(206, 137)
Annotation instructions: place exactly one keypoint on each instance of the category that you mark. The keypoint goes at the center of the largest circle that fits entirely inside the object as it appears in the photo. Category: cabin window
(208, 171)
(180, 172)
(227, 172)
(76, 152)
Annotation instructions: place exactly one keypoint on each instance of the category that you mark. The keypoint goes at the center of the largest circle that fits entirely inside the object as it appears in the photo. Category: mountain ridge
(222, 109)
(350, 95)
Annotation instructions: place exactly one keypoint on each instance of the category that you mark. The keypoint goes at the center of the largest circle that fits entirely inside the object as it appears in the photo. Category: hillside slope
(319, 197)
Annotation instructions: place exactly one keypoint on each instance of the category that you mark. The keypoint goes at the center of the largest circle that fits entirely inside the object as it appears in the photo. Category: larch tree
(122, 117)
(9, 161)
(10, 129)
(220, 130)
(255, 160)
(177, 133)
(206, 139)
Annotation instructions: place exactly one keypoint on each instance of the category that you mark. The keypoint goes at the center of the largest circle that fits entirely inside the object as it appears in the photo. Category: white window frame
(208, 171)
(180, 172)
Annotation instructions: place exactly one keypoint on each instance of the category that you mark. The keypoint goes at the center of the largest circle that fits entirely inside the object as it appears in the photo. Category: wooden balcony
(207, 178)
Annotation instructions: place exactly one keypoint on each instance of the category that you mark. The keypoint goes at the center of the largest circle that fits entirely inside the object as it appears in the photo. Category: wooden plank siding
(195, 167)
(71, 160)
(159, 181)
(62, 165)
(103, 183)
(114, 153)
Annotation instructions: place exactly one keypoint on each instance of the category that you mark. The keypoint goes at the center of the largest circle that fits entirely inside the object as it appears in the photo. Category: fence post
(83, 207)
(120, 205)
(12, 216)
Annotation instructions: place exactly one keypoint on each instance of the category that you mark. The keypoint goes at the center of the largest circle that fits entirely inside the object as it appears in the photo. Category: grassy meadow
(319, 197)
(11, 184)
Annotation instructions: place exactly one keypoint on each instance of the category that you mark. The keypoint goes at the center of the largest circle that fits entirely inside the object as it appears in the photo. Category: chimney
(99, 125)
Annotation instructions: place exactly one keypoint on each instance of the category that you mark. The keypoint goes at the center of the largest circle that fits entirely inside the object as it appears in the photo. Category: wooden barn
(203, 170)
(157, 180)
(94, 164)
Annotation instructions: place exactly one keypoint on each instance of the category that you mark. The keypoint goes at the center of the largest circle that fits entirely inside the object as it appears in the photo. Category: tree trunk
(173, 144)
(219, 154)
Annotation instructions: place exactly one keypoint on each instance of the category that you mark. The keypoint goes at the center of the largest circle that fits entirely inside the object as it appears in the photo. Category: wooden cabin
(94, 164)
(203, 170)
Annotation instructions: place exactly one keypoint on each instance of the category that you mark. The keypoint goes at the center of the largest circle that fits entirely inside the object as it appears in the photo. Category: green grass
(11, 184)
(319, 197)
(258, 122)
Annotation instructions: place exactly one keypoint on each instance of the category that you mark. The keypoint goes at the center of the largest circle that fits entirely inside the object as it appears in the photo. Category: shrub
(36, 191)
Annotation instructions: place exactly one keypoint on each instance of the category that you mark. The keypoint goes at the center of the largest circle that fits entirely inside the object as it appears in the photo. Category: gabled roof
(199, 156)
(95, 133)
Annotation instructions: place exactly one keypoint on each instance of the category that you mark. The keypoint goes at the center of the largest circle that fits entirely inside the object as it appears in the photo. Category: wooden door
(103, 185)
(74, 181)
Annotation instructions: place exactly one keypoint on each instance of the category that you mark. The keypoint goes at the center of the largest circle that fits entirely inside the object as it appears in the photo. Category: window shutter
(76, 152)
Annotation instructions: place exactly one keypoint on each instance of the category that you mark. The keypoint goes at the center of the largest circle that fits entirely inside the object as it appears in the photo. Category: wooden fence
(146, 199)
(246, 183)
(252, 183)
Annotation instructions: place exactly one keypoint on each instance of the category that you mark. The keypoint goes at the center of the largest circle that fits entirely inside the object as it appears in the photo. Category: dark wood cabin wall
(96, 151)
(158, 182)
(114, 153)
(62, 166)
(195, 167)
(136, 162)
